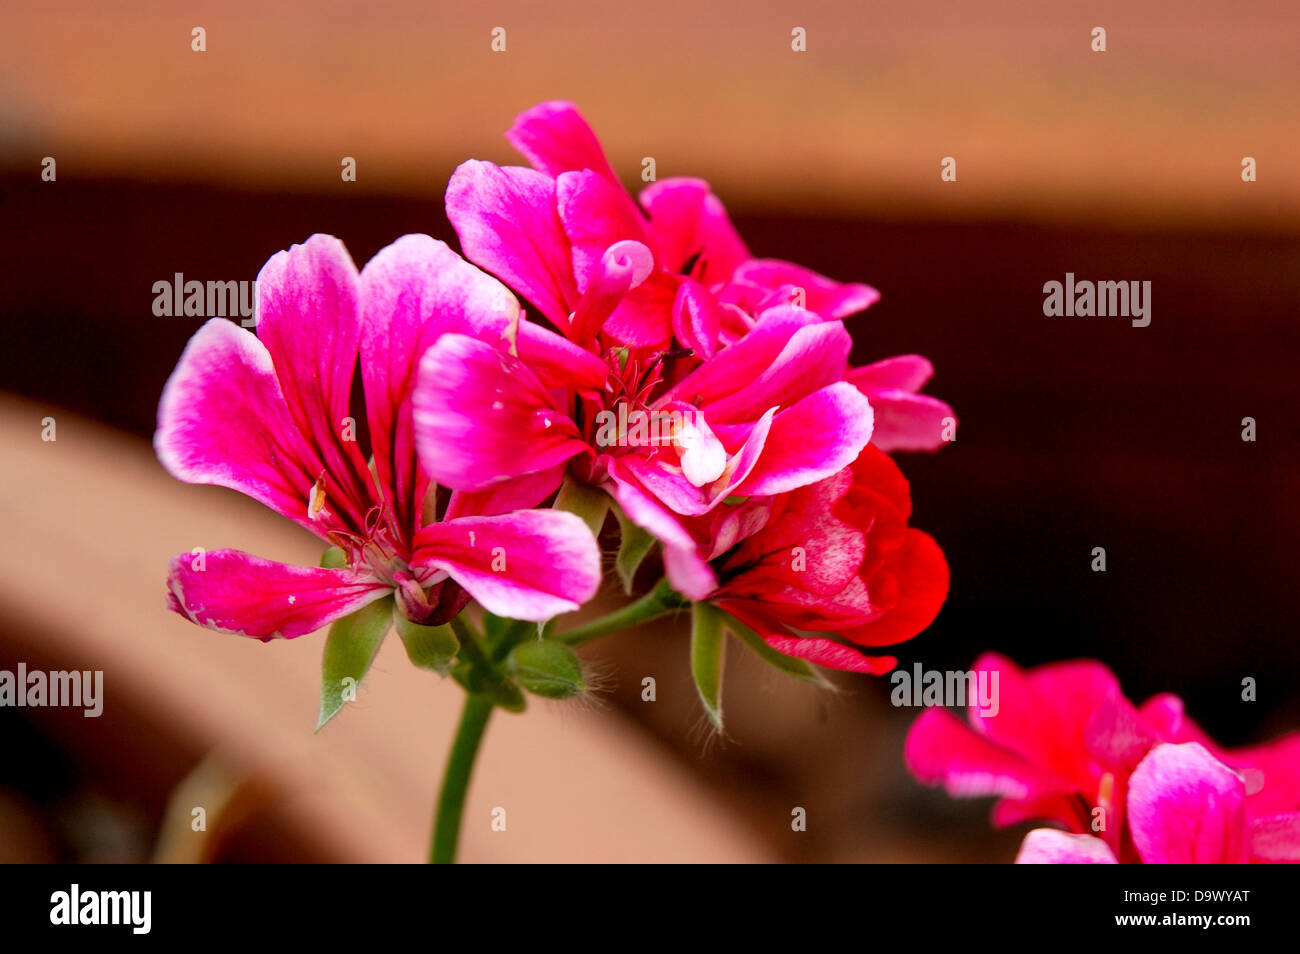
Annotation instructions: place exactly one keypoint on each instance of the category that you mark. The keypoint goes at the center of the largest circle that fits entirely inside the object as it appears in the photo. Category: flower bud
(546, 668)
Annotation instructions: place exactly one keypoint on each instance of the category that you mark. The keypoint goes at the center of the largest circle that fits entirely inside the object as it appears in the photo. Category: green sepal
(503, 634)
(546, 668)
(707, 650)
(334, 559)
(479, 674)
(429, 647)
(495, 627)
(635, 543)
(586, 502)
(799, 668)
(350, 648)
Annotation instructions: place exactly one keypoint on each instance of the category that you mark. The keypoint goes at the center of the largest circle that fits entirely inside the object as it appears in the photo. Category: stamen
(316, 500)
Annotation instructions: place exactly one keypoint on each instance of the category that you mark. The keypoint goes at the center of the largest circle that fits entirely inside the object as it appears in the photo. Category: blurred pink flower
(269, 415)
(1184, 807)
(1065, 742)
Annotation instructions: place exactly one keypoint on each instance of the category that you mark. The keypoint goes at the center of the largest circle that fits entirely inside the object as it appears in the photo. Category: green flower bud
(546, 667)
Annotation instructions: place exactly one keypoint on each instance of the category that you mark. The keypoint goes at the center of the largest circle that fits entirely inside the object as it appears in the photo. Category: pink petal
(482, 416)
(1271, 772)
(1063, 809)
(518, 493)
(941, 749)
(911, 422)
(248, 596)
(1276, 839)
(827, 297)
(1044, 714)
(1187, 807)
(557, 361)
(687, 571)
(643, 319)
(1167, 717)
(223, 420)
(412, 292)
(507, 223)
(596, 214)
(309, 320)
(1048, 846)
(1116, 736)
(697, 318)
(743, 362)
(687, 219)
(812, 440)
(905, 372)
(555, 138)
(812, 358)
(531, 564)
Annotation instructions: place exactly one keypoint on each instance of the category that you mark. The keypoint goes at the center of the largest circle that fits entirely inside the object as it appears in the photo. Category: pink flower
(670, 319)
(546, 231)
(1065, 746)
(1184, 807)
(765, 416)
(270, 415)
(834, 557)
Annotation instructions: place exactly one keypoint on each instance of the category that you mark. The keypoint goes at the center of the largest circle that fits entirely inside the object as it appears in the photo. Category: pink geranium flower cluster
(663, 313)
(703, 394)
(1124, 783)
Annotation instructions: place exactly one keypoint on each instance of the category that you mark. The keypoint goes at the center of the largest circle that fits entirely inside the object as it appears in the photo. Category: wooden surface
(91, 521)
(1041, 125)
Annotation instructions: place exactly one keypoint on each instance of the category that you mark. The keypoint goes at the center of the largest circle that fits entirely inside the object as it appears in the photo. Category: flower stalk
(658, 602)
(455, 779)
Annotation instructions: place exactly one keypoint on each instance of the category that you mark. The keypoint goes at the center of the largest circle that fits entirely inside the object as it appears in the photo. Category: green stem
(658, 602)
(455, 779)
(471, 644)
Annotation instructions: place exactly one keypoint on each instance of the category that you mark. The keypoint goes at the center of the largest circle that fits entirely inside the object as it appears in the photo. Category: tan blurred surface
(92, 520)
(1041, 126)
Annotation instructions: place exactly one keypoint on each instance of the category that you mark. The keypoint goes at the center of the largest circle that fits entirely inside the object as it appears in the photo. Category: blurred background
(1123, 165)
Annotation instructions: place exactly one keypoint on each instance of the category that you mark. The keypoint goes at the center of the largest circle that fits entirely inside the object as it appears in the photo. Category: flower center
(374, 550)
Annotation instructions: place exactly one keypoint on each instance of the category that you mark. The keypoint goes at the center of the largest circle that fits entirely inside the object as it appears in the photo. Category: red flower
(836, 557)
